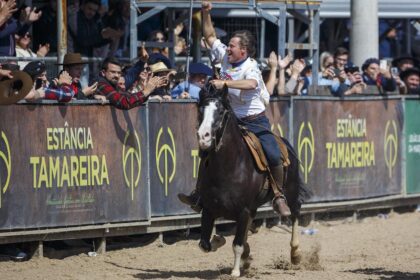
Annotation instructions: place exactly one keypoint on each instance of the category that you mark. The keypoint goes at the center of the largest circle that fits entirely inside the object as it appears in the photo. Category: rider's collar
(237, 64)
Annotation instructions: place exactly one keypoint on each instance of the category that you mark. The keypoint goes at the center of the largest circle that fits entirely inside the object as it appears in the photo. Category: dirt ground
(372, 247)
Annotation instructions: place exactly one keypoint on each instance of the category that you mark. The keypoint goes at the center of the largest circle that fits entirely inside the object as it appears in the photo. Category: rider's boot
(279, 201)
(193, 200)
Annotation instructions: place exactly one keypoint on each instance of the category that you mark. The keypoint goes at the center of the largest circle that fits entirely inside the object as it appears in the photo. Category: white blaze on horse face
(204, 132)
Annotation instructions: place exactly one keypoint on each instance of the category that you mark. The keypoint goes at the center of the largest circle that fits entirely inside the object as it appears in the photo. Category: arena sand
(369, 248)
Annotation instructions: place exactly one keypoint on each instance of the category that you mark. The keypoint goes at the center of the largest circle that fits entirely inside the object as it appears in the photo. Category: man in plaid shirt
(107, 86)
(60, 89)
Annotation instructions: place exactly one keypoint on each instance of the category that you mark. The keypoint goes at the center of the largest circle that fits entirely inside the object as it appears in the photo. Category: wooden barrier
(95, 168)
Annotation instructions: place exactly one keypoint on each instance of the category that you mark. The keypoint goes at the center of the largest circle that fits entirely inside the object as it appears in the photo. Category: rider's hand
(218, 84)
(206, 6)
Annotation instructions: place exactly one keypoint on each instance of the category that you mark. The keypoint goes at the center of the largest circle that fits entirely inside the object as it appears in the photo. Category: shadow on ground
(387, 274)
(165, 274)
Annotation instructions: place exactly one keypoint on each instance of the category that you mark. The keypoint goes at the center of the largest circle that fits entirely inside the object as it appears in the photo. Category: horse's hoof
(204, 247)
(216, 242)
(296, 259)
(235, 273)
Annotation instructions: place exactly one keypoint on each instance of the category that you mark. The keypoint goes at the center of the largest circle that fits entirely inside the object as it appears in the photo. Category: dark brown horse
(229, 183)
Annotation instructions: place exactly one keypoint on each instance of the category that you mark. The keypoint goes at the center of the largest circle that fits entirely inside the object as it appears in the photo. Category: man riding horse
(248, 96)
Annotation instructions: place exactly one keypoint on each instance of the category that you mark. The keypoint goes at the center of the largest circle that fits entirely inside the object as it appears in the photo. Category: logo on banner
(131, 158)
(164, 155)
(6, 159)
(306, 149)
(391, 146)
(280, 130)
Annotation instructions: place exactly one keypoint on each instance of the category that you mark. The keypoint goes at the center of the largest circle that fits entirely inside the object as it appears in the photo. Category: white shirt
(244, 102)
(24, 53)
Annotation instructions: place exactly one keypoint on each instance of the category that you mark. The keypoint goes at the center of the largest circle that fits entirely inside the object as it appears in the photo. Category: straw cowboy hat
(159, 67)
(15, 89)
(72, 59)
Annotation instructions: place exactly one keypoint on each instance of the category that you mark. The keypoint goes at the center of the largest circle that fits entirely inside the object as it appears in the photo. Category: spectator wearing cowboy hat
(411, 79)
(160, 69)
(404, 62)
(199, 72)
(108, 86)
(59, 90)
(73, 64)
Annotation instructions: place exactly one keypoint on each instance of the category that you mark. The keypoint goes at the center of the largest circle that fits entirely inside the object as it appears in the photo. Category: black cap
(35, 68)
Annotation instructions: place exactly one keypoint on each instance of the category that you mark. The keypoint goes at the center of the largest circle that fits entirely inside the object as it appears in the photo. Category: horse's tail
(296, 191)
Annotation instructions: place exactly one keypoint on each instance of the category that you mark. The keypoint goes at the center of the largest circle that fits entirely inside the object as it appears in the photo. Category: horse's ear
(225, 91)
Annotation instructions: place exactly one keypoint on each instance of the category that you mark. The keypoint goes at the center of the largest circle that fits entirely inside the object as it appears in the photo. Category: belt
(253, 117)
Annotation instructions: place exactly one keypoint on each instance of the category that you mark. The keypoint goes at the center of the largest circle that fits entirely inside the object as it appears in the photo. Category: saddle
(257, 152)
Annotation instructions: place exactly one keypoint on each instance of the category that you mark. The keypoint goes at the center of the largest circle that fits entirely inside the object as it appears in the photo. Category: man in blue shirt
(199, 73)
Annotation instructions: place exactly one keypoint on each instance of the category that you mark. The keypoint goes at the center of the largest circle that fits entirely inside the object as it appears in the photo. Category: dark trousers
(260, 126)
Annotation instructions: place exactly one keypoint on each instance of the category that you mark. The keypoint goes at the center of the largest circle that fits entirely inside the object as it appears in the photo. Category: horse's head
(213, 112)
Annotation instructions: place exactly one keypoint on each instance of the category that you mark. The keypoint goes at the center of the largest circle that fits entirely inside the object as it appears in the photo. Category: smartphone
(337, 72)
(383, 64)
(394, 71)
(38, 83)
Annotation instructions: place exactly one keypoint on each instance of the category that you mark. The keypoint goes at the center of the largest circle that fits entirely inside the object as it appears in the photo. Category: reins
(222, 125)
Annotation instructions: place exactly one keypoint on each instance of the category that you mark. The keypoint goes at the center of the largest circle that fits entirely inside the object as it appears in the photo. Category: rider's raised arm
(208, 29)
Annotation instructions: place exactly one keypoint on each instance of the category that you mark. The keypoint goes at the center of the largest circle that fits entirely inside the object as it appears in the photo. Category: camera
(337, 72)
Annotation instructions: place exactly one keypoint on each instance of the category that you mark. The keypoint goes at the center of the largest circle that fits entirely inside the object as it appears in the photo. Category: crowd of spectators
(98, 31)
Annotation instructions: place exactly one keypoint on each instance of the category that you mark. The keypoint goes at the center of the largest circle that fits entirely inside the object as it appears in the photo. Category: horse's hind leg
(207, 223)
(240, 240)
(295, 256)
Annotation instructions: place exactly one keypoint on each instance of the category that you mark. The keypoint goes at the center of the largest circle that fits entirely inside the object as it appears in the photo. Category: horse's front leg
(295, 256)
(207, 223)
(240, 240)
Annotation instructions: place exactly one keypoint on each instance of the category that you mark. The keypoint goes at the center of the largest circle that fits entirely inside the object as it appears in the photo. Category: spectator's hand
(6, 73)
(218, 84)
(100, 98)
(35, 94)
(386, 72)
(356, 89)
(178, 29)
(272, 60)
(89, 90)
(354, 77)
(283, 63)
(7, 9)
(30, 15)
(143, 55)
(43, 50)
(55, 82)
(156, 97)
(184, 95)
(329, 73)
(206, 6)
(297, 67)
(399, 82)
(64, 78)
(342, 76)
(167, 98)
(154, 83)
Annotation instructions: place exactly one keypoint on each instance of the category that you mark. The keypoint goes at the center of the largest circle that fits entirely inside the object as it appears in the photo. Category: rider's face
(235, 52)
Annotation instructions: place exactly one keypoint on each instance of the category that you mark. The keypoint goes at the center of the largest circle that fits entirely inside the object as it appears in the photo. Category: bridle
(219, 131)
